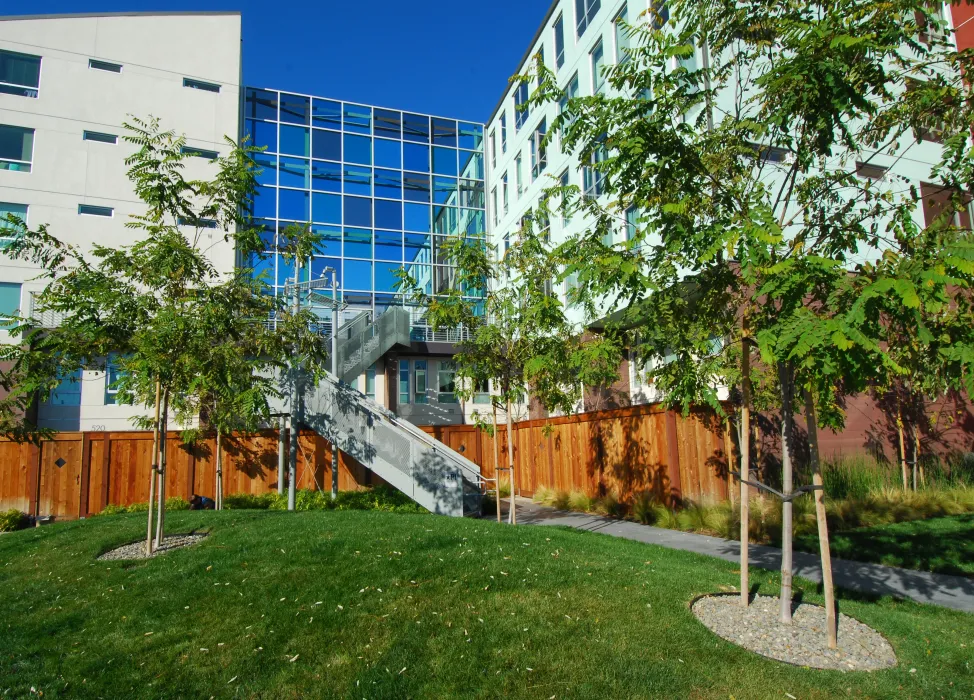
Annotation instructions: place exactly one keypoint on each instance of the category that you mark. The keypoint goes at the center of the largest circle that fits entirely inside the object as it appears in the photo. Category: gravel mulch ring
(803, 643)
(136, 550)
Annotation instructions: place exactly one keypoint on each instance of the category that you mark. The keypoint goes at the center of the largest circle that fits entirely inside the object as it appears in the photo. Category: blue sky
(429, 56)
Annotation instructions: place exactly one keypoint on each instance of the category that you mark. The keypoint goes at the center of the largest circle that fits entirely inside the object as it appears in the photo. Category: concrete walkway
(955, 592)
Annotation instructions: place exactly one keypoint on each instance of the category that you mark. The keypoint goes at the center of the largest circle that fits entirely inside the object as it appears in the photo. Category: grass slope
(941, 545)
(379, 605)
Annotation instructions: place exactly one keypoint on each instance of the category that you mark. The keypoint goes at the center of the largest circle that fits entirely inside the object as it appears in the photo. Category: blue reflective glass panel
(472, 165)
(416, 157)
(444, 132)
(265, 203)
(326, 177)
(295, 140)
(285, 271)
(358, 243)
(416, 188)
(445, 220)
(423, 275)
(358, 149)
(388, 245)
(358, 180)
(295, 109)
(388, 183)
(330, 242)
(326, 208)
(294, 205)
(267, 234)
(358, 211)
(263, 269)
(417, 247)
(358, 118)
(261, 134)
(326, 144)
(326, 113)
(415, 127)
(445, 190)
(472, 193)
(268, 168)
(471, 136)
(444, 161)
(295, 172)
(388, 154)
(261, 104)
(388, 214)
(416, 217)
(318, 266)
(472, 221)
(358, 275)
(385, 276)
(387, 123)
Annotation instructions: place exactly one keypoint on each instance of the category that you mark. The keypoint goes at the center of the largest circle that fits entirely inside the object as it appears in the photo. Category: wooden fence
(625, 451)
(78, 474)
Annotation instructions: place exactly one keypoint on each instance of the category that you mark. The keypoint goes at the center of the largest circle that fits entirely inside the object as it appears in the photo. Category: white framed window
(493, 149)
(10, 301)
(200, 85)
(520, 98)
(95, 210)
(597, 59)
(504, 192)
(564, 181)
(493, 203)
(20, 74)
(593, 179)
(621, 35)
(100, 137)
(518, 180)
(446, 381)
(585, 11)
(632, 222)
(503, 132)
(16, 148)
(558, 32)
(420, 382)
(539, 155)
(10, 216)
(404, 382)
(107, 66)
(112, 374)
(370, 381)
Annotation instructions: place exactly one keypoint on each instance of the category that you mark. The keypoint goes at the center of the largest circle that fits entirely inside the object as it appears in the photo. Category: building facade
(67, 86)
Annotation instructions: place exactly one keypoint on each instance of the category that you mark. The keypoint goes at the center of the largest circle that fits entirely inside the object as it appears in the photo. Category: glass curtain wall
(384, 188)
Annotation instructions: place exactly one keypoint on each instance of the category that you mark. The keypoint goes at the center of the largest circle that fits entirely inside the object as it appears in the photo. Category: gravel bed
(136, 550)
(757, 628)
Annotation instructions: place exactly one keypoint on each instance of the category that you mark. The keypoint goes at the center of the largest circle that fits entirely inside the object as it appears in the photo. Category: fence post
(85, 474)
(34, 479)
(673, 458)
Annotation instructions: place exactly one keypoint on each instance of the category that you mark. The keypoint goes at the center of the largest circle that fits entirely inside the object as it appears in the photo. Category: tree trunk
(899, 432)
(153, 467)
(510, 459)
(163, 452)
(218, 496)
(787, 508)
(823, 524)
(745, 461)
(281, 455)
(916, 453)
(729, 452)
(497, 474)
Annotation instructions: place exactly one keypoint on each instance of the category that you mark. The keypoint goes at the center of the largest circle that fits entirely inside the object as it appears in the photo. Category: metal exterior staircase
(429, 472)
(361, 342)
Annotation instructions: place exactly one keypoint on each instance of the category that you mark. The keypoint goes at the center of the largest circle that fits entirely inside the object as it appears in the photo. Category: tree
(519, 337)
(745, 135)
(181, 330)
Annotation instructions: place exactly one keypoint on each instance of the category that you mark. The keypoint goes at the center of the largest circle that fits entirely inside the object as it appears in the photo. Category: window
(493, 202)
(482, 395)
(593, 179)
(112, 374)
(520, 98)
(446, 378)
(518, 182)
(939, 201)
(95, 64)
(370, 381)
(196, 223)
(493, 150)
(559, 32)
(598, 62)
(419, 381)
(504, 191)
(564, 182)
(569, 93)
(16, 148)
(20, 74)
(622, 35)
(68, 392)
(199, 152)
(403, 381)
(632, 222)
(200, 85)
(99, 137)
(10, 229)
(585, 11)
(539, 155)
(868, 171)
(503, 132)
(9, 301)
(92, 210)
(659, 13)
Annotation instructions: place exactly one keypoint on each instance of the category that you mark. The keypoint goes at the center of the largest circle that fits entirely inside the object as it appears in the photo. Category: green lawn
(941, 545)
(377, 605)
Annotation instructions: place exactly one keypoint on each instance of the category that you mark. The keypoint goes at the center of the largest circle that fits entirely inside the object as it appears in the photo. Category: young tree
(179, 328)
(744, 134)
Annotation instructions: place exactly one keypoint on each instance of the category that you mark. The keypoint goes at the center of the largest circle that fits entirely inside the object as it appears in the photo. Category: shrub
(643, 508)
(580, 501)
(13, 519)
(250, 501)
(543, 494)
(608, 505)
